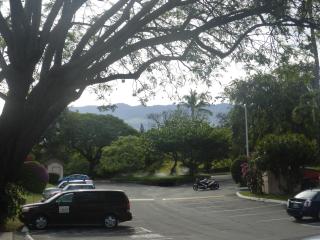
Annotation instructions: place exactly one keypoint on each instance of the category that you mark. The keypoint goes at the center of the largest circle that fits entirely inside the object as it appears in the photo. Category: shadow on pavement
(92, 231)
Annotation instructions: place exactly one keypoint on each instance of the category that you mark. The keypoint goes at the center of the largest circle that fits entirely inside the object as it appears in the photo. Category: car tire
(298, 218)
(40, 222)
(110, 221)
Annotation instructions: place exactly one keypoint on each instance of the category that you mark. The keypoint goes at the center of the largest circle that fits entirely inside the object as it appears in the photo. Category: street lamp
(246, 123)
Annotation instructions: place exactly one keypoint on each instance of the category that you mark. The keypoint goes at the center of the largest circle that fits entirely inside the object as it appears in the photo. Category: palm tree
(196, 103)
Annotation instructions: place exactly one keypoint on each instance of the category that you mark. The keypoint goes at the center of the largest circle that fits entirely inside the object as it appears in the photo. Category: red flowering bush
(236, 170)
(33, 176)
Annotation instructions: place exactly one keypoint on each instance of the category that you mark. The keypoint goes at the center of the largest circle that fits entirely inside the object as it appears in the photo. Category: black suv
(79, 207)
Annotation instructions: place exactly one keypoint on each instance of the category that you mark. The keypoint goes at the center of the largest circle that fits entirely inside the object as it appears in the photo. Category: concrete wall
(271, 184)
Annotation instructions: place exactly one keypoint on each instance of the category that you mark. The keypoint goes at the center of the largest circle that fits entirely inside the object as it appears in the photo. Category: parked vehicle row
(78, 181)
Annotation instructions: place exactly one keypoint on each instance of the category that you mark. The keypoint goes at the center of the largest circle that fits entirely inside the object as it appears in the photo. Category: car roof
(77, 184)
(74, 181)
(313, 190)
(94, 190)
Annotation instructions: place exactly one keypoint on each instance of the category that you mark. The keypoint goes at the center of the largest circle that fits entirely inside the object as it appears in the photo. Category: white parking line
(271, 220)
(141, 199)
(242, 209)
(253, 214)
(147, 234)
(192, 198)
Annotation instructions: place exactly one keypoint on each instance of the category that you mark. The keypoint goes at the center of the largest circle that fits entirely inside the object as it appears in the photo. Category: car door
(316, 203)
(88, 207)
(62, 209)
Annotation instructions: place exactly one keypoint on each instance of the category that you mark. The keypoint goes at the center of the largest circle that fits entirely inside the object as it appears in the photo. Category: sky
(123, 92)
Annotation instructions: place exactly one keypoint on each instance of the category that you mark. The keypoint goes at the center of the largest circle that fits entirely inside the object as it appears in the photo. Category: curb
(261, 199)
(6, 235)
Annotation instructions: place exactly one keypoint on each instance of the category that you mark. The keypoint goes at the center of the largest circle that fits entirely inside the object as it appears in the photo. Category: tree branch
(44, 35)
(3, 96)
(141, 69)
(96, 27)
(233, 47)
(5, 30)
(59, 33)
(3, 63)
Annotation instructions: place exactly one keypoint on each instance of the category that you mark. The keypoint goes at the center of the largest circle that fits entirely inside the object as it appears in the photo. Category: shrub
(252, 176)
(33, 177)
(285, 155)
(236, 170)
(10, 200)
(53, 178)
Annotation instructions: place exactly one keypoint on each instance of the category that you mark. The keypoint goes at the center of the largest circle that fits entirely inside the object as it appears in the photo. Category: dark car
(74, 177)
(306, 203)
(79, 207)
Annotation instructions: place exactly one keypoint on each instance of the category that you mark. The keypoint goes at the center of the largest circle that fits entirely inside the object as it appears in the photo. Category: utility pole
(246, 123)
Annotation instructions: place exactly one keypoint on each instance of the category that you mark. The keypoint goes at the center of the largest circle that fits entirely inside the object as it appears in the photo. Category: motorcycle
(206, 185)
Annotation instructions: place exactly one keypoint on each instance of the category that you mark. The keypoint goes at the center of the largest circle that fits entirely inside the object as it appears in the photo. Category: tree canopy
(278, 102)
(88, 134)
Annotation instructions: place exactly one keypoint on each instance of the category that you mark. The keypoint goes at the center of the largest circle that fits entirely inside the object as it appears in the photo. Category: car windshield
(306, 194)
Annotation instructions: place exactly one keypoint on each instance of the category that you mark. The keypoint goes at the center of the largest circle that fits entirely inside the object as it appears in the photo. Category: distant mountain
(137, 115)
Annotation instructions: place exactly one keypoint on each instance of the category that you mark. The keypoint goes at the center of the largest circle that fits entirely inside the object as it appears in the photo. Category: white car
(78, 186)
(49, 192)
(65, 183)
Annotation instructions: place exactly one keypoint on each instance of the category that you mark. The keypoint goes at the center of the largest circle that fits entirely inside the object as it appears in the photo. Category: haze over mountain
(137, 115)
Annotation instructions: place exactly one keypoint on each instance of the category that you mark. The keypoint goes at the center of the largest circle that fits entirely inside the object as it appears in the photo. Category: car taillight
(307, 203)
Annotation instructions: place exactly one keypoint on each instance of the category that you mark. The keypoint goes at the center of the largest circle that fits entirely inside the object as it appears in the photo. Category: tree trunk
(22, 122)
(174, 167)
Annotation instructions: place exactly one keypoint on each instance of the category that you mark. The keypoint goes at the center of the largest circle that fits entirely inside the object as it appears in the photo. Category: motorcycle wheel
(215, 186)
(195, 187)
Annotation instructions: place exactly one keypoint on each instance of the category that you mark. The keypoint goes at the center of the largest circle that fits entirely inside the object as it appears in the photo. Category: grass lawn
(268, 196)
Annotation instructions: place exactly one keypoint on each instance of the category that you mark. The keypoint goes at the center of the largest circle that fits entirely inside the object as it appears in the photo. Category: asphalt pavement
(163, 213)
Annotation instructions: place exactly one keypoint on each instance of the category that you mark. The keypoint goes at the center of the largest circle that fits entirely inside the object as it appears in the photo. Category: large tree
(88, 134)
(51, 50)
(278, 102)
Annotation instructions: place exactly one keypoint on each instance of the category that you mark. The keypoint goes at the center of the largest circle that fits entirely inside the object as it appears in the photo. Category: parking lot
(181, 213)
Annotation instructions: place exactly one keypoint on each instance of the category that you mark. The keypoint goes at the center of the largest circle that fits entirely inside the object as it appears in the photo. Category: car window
(317, 198)
(63, 184)
(306, 194)
(89, 197)
(66, 198)
(114, 197)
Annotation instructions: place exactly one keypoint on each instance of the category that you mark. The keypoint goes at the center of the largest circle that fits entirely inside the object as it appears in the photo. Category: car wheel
(298, 218)
(110, 221)
(41, 222)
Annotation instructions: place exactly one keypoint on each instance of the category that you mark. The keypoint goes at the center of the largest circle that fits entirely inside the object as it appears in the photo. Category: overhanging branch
(221, 54)
(141, 69)
(97, 25)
